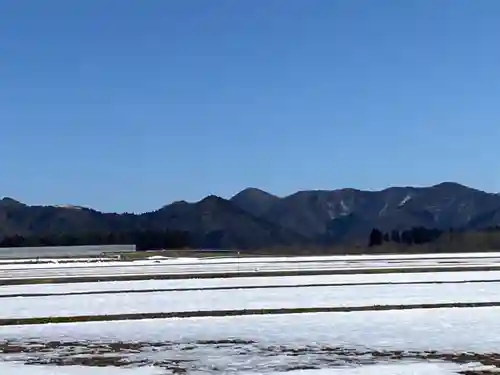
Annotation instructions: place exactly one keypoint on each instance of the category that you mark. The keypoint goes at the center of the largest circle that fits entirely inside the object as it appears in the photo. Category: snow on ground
(367, 259)
(208, 300)
(194, 269)
(392, 369)
(19, 368)
(55, 260)
(272, 344)
(250, 281)
(447, 330)
(443, 330)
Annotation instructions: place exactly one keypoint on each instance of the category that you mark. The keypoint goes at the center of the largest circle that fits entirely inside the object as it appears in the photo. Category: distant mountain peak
(252, 191)
(451, 184)
(455, 187)
(255, 201)
(181, 202)
(10, 201)
(212, 199)
(255, 218)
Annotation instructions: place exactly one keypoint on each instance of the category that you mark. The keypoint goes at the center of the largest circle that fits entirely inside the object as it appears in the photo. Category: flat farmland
(171, 268)
(432, 314)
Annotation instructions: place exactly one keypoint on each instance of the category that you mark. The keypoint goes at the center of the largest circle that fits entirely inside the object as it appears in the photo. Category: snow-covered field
(267, 344)
(4, 262)
(409, 368)
(242, 282)
(417, 341)
(474, 330)
(195, 266)
(239, 299)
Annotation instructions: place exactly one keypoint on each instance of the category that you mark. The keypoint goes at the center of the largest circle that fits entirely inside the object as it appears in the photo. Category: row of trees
(144, 240)
(153, 240)
(413, 236)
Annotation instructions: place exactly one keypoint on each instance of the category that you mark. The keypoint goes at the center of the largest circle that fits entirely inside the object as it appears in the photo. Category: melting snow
(331, 210)
(393, 369)
(345, 209)
(404, 201)
(68, 206)
(383, 210)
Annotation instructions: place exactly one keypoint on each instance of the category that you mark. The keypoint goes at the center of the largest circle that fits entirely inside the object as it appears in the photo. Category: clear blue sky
(127, 105)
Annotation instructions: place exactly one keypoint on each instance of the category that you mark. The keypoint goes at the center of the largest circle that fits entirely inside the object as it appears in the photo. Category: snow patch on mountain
(68, 206)
(345, 209)
(405, 200)
(383, 211)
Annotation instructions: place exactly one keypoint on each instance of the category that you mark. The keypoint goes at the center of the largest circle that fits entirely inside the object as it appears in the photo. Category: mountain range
(255, 219)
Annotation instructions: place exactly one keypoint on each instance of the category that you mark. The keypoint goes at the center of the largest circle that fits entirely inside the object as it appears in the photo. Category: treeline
(413, 236)
(423, 240)
(144, 240)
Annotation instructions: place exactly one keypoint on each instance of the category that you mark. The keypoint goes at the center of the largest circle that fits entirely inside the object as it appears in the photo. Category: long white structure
(62, 251)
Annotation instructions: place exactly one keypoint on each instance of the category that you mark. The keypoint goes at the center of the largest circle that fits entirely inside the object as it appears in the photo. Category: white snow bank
(369, 259)
(235, 299)
(391, 369)
(250, 281)
(447, 330)
(9, 368)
